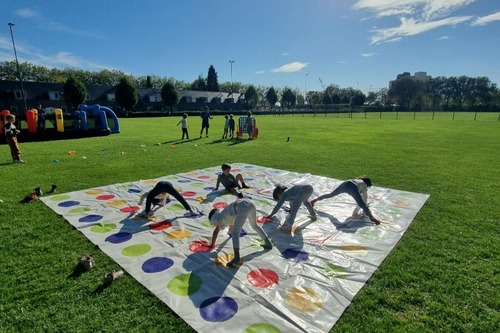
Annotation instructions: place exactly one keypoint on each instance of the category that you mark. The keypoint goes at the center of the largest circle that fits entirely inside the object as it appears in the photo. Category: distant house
(52, 95)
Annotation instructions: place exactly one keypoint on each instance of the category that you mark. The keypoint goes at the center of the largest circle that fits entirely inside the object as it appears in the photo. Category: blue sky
(352, 43)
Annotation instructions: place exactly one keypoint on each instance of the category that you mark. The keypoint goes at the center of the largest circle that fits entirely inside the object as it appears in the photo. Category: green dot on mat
(261, 328)
(206, 223)
(184, 284)
(79, 210)
(60, 197)
(197, 184)
(136, 250)
(176, 207)
(334, 271)
(103, 228)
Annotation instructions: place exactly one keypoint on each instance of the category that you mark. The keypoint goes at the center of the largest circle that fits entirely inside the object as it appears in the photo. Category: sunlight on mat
(302, 285)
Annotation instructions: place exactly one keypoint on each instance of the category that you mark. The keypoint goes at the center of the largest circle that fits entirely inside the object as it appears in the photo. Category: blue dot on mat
(134, 190)
(69, 203)
(118, 238)
(295, 255)
(217, 309)
(184, 181)
(90, 218)
(157, 264)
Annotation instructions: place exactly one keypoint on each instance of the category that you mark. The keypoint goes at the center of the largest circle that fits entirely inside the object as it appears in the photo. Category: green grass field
(442, 277)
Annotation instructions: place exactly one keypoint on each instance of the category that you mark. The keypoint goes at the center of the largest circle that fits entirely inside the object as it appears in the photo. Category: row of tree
(406, 92)
(455, 93)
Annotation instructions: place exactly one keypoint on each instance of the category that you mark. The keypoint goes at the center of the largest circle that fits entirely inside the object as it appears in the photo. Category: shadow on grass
(177, 142)
(77, 271)
(101, 288)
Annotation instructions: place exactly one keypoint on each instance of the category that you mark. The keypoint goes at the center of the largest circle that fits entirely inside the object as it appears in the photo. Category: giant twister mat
(302, 285)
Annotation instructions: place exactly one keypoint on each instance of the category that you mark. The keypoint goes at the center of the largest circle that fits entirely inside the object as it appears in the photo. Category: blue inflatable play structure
(104, 118)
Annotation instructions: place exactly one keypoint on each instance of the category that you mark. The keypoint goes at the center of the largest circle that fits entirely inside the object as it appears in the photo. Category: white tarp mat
(302, 285)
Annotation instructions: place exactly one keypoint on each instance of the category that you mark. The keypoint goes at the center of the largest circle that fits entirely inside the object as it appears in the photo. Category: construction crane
(322, 84)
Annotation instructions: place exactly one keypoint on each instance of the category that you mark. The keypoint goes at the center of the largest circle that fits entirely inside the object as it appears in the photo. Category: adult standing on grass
(358, 190)
(205, 121)
(235, 214)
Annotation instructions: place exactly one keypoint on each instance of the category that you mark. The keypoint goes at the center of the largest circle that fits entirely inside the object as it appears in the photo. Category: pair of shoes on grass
(87, 263)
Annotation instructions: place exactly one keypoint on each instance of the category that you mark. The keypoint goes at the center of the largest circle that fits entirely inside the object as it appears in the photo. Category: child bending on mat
(296, 195)
(230, 182)
(235, 214)
(159, 195)
(358, 190)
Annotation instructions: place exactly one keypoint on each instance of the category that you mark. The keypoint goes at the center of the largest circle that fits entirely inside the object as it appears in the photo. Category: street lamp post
(231, 62)
(17, 64)
(305, 89)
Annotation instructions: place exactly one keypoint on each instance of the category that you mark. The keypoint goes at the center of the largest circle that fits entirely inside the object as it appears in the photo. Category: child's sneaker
(87, 262)
(38, 191)
(111, 276)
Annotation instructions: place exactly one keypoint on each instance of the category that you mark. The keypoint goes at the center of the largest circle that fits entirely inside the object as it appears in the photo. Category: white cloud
(443, 38)
(367, 55)
(286, 53)
(26, 13)
(342, 62)
(412, 27)
(260, 72)
(416, 16)
(487, 19)
(47, 23)
(290, 68)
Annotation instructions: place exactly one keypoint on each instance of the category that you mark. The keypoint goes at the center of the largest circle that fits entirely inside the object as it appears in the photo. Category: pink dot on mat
(130, 209)
(219, 205)
(105, 197)
(262, 278)
(188, 194)
(199, 246)
(203, 177)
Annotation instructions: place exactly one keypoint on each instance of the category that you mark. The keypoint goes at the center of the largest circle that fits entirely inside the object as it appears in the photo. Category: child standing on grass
(226, 127)
(231, 126)
(235, 214)
(184, 126)
(230, 183)
(296, 195)
(159, 195)
(11, 133)
(358, 190)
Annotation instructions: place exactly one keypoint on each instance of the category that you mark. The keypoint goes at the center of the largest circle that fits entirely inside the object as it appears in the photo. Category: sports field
(442, 276)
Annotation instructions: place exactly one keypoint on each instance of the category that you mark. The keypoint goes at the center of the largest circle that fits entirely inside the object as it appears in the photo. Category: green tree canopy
(212, 80)
(288, 99)
(251, 97)
(75, 92)
(169, 95)
(126, 93)
(199, 84)
(271, 97)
